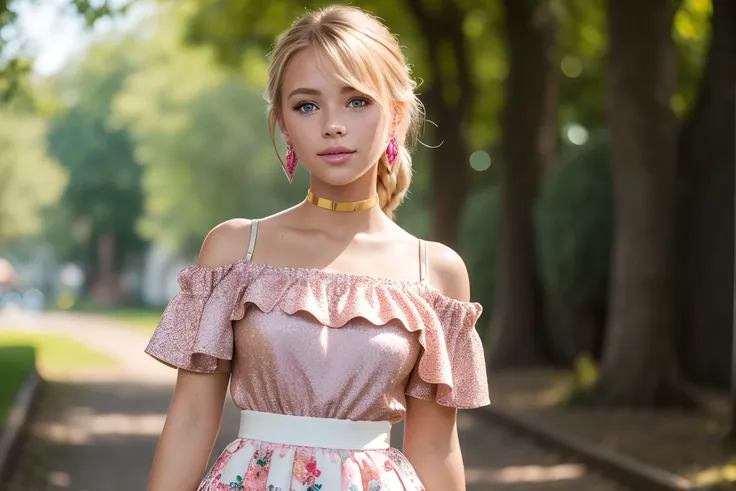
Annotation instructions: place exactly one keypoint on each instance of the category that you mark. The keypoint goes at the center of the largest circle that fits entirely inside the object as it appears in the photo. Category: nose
(334, 129)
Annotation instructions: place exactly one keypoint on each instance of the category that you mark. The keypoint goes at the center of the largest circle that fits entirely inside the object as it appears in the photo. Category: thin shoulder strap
(423, 270)
(253, 235)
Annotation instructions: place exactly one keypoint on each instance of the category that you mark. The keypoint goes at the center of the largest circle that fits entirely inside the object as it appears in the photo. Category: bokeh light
(480, 160)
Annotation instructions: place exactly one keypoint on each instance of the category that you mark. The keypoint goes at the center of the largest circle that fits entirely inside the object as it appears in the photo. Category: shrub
(574, 228)
(479, 246)
(573, 221)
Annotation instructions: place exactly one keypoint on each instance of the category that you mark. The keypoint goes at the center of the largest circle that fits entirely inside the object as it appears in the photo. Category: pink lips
(336, 155)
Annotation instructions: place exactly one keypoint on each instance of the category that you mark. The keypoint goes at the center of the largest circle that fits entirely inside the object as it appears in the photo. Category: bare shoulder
(225, 244)
(447, 271)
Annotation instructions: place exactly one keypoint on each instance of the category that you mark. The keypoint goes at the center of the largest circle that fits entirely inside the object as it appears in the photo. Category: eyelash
(299, 106)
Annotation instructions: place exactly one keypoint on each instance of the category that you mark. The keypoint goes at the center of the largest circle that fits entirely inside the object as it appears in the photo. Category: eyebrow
(307, 91)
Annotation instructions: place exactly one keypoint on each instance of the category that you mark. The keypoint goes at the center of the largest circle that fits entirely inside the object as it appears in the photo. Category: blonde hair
(367, 57)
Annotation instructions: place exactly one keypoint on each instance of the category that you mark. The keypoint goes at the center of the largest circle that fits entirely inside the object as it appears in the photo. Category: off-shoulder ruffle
(196, 330)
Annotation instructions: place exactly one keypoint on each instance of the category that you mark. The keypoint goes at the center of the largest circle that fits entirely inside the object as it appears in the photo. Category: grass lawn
(56, 353)
(16, 362)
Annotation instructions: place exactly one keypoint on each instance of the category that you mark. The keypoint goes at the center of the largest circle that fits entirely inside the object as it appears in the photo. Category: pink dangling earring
(392, 151)
(291, 162)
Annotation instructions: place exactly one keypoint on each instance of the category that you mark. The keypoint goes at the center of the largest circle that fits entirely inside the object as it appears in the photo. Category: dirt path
(98, 431)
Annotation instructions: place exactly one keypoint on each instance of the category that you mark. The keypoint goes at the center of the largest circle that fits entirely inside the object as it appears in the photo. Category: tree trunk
(450, 175)
(106, 288)
(528, 148)
(448, 102)
(706, 161)
(639, 366)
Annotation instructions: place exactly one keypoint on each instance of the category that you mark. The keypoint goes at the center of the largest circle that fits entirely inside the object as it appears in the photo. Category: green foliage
(104, 194)
(483, 27)
(581, 50)
(579, 390)
(92, 11)
(691, 32)
(15, 68)
(586, 371)
(582, 47)
(29, 179)
(202, 137)
(240, 32)
(12, 77)
(104, 191)
(479, 243)
(574, 228)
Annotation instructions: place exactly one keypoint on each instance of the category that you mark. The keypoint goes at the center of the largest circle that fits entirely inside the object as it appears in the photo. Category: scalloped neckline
(321, 273)
(337, 274)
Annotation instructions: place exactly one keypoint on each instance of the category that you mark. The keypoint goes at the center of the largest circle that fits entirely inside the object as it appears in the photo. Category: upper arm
(203, 393)
(431, 439)
(448, 273)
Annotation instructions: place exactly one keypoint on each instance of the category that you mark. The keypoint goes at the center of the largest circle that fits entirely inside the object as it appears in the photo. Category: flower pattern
(305, 469)
(237, 484)
(248, 465)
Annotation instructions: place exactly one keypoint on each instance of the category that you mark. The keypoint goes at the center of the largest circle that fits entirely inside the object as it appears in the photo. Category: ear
(396, 116)
(282, 127)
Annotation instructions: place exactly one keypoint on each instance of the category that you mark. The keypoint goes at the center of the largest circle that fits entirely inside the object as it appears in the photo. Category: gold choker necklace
(328, 204)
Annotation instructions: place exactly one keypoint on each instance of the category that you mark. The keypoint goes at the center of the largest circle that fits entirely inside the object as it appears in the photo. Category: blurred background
(585, 174)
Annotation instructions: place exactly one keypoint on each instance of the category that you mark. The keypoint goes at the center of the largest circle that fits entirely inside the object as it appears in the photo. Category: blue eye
(306, 107)
(361, 103)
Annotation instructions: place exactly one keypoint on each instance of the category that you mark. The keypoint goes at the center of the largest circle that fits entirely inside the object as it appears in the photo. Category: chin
(338, 175)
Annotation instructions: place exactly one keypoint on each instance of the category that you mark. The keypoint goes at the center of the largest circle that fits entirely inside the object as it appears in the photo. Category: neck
(357, 191)
(341, 206)
(340, 225)
(349, 222)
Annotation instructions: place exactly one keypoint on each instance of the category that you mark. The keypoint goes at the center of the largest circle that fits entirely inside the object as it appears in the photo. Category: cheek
(371, 125)
(294, 122)
(376, 130)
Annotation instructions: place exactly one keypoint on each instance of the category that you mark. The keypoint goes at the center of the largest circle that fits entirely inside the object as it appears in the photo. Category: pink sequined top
(311, 343)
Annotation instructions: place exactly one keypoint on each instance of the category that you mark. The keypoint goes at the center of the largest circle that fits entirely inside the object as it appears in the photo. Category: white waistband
(304, 431)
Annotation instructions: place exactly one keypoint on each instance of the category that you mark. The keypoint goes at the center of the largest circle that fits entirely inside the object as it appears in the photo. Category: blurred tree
(479, 242)
(706, 166)
(15, 67)
(30, 180)
(575, 321)
(581, 46)
(574, 226)
(528, 147)
(451, 47)
(202, 137)
(639, 365)
(103, 199)
(692, 29)
(448, 99)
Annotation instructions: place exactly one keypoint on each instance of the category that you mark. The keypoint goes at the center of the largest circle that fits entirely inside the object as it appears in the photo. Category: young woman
(328, 320)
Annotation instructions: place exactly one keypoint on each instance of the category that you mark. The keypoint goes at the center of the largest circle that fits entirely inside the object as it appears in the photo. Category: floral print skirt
(254, 465)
